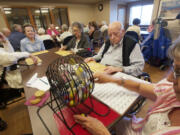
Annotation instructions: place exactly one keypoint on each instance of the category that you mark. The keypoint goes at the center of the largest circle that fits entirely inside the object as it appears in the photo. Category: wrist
(121, 81)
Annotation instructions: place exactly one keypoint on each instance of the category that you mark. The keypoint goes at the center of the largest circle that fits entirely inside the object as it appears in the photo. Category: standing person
(80, 43)
(31, 43)
(112, 54)
(161, 119)
(16, 36)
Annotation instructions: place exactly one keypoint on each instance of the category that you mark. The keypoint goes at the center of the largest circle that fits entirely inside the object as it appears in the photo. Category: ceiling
(69, 1)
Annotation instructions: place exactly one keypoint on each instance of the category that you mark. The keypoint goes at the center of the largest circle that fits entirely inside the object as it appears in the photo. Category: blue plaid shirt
(28, 46)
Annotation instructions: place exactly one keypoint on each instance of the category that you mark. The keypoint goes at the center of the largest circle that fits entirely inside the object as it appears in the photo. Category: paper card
(29, 61)
(63, 53)
(41, 52)
(96, 67)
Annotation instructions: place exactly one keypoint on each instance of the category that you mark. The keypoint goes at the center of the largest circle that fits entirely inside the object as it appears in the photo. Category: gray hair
(64, 27)
(41, 31)
(174, 51)
(78, 25)
(15, 27)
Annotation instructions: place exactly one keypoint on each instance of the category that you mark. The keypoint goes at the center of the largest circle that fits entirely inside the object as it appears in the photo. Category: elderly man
(16, 36)
(114, 57)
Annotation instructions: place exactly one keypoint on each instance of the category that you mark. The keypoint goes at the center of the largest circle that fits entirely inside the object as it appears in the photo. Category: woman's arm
(146, 90)
(94, 126)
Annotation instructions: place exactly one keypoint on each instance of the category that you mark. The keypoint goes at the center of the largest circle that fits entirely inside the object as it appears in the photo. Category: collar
(117, 45)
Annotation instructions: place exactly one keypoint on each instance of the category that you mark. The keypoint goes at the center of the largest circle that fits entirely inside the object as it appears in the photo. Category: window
(16, 16)
(61, 16)
(41, 17)
(143, 12)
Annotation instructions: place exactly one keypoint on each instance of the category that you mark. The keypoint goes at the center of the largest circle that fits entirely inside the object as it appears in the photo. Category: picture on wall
(169, 9)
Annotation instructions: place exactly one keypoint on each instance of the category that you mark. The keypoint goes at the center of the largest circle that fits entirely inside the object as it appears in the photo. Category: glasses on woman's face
(176, 72)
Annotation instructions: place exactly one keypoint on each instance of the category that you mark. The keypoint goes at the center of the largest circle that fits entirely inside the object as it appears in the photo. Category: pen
(43, 81)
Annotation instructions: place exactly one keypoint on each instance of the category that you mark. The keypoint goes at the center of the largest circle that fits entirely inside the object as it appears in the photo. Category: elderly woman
(93, 27)
(79, 44)
(162, 117)
(31, 43)
(65, 33)
(42, 34)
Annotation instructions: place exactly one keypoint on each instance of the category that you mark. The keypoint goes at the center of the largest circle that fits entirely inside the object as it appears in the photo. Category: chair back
(67, 39)
(48, 44)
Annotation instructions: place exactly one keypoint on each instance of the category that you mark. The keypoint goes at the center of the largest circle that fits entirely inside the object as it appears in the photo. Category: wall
(104, 14)
(2, 21)
(77, 12)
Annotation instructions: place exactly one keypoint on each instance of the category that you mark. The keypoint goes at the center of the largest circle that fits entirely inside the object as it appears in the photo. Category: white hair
(41, 31)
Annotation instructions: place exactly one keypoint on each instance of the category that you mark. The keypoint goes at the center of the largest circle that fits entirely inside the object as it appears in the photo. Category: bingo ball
(71, 80)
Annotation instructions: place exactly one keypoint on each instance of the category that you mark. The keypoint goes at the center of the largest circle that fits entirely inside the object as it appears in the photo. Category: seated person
(135, 27)
(31, 43)
(163, 116)
(16, 36)
(65, 33)
(79, 44)
(52, 31)
(113, 56)
(42, 35)
(103, 26)
(151, 27)
(92, 28)
(8, 58)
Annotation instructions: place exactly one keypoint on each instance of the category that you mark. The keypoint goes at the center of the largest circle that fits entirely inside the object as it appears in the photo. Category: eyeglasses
(176, 73)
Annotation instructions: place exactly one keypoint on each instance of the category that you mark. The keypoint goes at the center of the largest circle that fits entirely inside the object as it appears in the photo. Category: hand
(34, 58)
(63, 48)
(94, 126)
(89, 59)
(111, 69)
(2, 38)
(103, 78)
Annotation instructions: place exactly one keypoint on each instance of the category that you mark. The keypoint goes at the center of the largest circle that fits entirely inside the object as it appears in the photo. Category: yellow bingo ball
(85, 96)
(80, 69)
(72, 61)
(72, 94)
(82, 114)
(91, 86)
(72, 83)
(71, 103)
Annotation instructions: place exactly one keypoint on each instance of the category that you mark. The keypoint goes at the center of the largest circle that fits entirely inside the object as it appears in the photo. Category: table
(37, 126)
(46, 113)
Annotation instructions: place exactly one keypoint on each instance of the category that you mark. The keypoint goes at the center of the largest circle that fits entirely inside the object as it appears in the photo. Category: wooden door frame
(122, 6)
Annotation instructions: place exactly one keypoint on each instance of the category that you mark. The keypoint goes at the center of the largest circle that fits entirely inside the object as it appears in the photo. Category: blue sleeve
(42, 46)
(23, 49)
